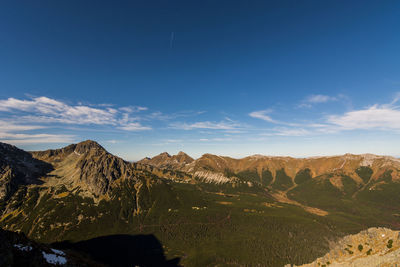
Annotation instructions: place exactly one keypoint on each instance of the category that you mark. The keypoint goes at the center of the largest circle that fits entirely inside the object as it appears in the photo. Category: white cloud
(10, 132)
(288, 132)
(320, 98)
(396, 98)
(215, 139)
(47, 110)
(384, 117)
(10, 126)
(165, 117)
(132, 109)
(377, 117)
(15, 138)
(230, 125)
(262, 115)
(309, 101)
(134, 126)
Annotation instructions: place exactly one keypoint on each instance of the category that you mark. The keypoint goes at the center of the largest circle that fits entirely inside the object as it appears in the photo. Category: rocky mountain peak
(88, 145)
(165, 154)
(165, 160)
(183, 157)
(86, 165)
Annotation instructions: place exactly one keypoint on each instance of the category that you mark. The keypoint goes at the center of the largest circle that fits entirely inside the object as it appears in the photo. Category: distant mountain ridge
(344, 164)
(269, 211)
(165, 160)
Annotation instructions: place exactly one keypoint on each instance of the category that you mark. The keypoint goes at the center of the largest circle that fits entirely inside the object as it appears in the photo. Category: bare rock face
(165, 160)
(18, 167)
(213, 165)
(83, 184)
(370, 248)
(87, 165)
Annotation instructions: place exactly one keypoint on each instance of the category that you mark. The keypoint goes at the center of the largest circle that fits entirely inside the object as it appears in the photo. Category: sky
(235, 78)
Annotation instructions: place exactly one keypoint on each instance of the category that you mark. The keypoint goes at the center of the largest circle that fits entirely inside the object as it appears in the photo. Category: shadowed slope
(123, 250)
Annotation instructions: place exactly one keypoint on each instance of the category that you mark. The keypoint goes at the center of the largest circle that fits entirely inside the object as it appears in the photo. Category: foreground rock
(370, 248)
(17, 250)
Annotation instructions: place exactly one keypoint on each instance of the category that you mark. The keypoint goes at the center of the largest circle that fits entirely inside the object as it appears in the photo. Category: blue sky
(297, 78)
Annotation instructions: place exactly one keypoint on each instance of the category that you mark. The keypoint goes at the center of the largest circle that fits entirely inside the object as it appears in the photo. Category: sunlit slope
(211, 211)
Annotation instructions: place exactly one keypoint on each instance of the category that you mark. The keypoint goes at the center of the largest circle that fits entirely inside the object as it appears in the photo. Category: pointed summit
(90, 166)
(88, 145)
(164, 154)
(182, 157)
(165, 160)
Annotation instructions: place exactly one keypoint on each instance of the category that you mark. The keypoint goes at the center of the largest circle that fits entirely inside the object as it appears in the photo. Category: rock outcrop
(87, 165)
(375, 247)
(165, 160)
(18, 167)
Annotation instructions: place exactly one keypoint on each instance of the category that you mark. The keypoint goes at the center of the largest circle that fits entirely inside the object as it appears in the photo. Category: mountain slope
(257, 211)
(86, 165)
(370, 248)
(18, 167)
(165, 160)
(84, 184)
(347, 164)
(17, 250)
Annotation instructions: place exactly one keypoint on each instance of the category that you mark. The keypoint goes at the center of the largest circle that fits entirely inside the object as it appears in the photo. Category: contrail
(171, 40)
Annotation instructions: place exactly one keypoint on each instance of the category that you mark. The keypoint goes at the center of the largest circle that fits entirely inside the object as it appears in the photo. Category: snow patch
(54, 258)
(58, 252)
(22, 247)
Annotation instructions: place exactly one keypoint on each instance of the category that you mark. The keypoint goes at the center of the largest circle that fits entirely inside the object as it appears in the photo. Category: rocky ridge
(213, 168)
(370, 248)
(18, 167)
(86, 165)
(165, 160)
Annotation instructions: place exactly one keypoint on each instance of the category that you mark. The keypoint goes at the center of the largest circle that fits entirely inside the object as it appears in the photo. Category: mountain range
(214, 210)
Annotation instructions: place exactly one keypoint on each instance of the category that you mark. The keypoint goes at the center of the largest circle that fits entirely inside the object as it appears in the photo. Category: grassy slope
(208, 225)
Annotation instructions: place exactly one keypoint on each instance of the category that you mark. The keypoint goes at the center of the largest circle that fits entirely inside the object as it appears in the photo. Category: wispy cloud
(223, 125)
(132, 109)
(13, 133)
(12, 126)
(226, 139)
(44, 110)
(18, 138)
(381, 117)
(287, 132)
(311, 100)
(320, 99)
(384, 117)
(133, 126)
(166, 117)
(262, 115)
(20, 119)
